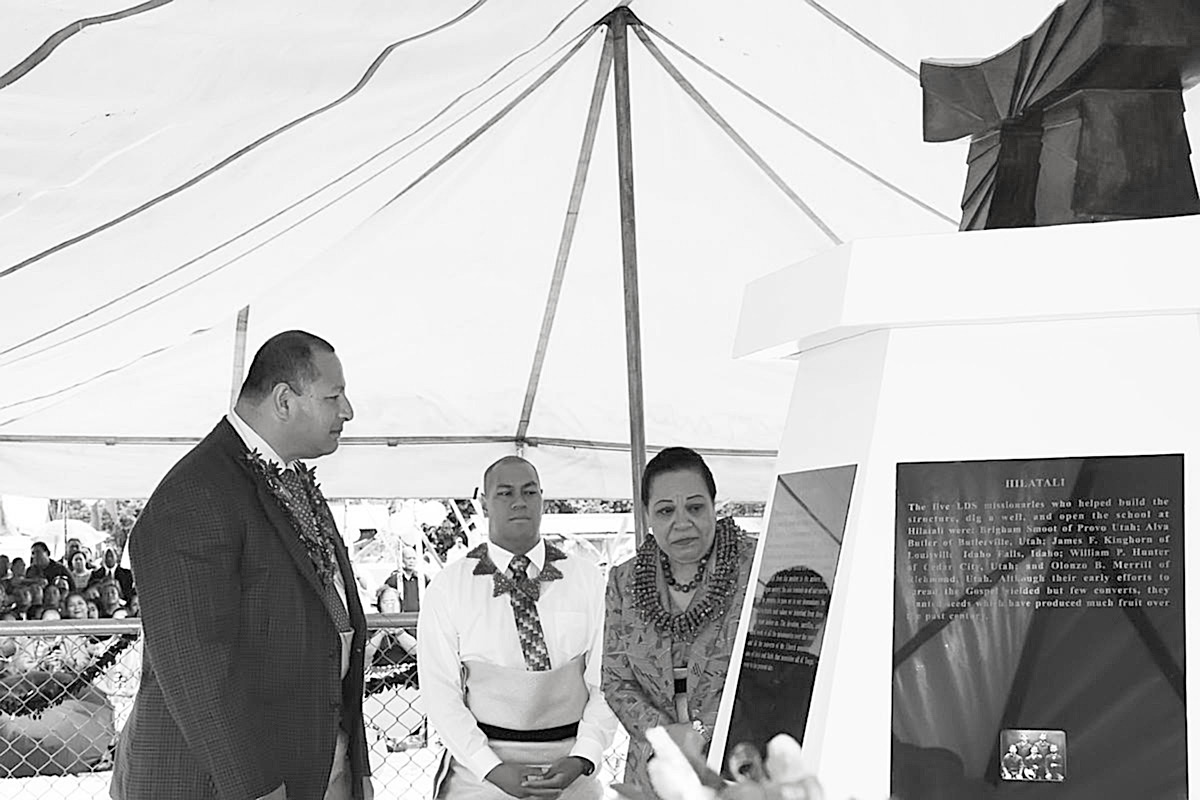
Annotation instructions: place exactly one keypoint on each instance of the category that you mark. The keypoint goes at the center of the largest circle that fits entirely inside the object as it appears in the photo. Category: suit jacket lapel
(279, 518)
(282, 524)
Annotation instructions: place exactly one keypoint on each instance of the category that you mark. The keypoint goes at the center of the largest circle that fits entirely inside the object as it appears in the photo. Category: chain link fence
(66, 688)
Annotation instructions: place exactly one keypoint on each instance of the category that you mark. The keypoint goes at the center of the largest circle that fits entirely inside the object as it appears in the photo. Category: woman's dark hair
(677, 459)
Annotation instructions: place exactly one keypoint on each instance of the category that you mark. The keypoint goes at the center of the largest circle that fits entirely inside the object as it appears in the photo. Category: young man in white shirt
(511, 638)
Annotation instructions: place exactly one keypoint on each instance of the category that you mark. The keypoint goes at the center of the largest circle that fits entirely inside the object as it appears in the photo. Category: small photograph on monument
(1033, 754)
(792, 587)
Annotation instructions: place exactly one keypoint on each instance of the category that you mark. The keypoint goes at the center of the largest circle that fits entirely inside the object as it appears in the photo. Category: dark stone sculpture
(1080, 121)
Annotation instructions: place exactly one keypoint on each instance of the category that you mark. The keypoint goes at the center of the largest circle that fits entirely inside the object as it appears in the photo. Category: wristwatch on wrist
(588, 766)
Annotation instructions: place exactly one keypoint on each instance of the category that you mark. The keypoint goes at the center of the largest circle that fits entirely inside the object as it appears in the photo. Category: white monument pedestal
(1070, 341)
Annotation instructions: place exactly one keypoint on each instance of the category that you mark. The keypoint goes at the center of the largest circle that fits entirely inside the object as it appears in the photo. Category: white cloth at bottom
(460, 783)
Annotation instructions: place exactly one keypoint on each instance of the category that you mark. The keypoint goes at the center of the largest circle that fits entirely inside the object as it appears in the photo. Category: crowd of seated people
(75, 588)
(54, 723)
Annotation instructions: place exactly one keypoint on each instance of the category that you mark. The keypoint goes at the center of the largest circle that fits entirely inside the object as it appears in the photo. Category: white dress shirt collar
(502, 558)
(252, 440)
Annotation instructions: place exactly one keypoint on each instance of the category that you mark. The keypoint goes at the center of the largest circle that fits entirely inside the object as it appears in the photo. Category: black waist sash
(556, 734)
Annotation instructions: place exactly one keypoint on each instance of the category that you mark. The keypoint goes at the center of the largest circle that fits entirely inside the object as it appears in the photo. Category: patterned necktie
(301, 507)
(529, 627)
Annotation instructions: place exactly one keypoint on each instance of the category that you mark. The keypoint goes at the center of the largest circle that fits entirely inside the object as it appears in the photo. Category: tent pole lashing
(742, 144)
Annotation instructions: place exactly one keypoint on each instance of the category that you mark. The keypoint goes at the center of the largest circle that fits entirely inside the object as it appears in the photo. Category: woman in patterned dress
(672, 610)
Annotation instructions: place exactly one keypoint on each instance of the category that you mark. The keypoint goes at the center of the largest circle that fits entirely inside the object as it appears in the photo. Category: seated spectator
(52, 598)
(385, 647)
(81, 576)
(387, 600)
(92, 593)
(73, 733)
(17, 570)
(93, 610)
(41, 567)
(73, 546)
(110, 599)
(76, 606)
(110, 570)
(24, 599)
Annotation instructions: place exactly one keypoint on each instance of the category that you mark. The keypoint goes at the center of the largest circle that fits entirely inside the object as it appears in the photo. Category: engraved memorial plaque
(799, 557)
(1044, 599)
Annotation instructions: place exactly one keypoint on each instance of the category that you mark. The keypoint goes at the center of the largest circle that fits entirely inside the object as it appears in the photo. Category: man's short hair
(284, 358)
(487, 473)
(40, 546)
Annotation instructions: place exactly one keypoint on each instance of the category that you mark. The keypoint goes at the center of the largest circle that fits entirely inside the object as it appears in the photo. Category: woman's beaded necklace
(682, 587)
(711, 604)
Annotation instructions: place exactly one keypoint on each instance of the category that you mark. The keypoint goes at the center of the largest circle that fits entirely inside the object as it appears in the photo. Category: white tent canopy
(164, 168)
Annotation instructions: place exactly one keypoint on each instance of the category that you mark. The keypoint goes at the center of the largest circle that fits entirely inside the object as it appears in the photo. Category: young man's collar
(502, 558)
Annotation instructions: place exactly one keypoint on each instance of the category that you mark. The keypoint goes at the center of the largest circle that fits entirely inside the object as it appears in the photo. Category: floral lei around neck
(318, 546)
(711, 605)
(503, 584)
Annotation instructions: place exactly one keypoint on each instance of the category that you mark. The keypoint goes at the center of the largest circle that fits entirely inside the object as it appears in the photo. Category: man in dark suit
(42, 567)
(112, 570)
(234, 702)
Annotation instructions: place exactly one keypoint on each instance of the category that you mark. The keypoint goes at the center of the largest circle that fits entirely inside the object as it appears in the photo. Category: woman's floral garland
(712, 604)
(316, 544)
(34, 702)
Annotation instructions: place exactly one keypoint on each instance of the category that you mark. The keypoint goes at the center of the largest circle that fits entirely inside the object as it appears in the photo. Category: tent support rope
(567, 237)
(862, 39)
(745, 147)
(882, 181)
(485, 127)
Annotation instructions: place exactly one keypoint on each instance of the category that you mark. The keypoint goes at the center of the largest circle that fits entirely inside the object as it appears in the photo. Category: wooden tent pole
(239, 355)
(618, 23)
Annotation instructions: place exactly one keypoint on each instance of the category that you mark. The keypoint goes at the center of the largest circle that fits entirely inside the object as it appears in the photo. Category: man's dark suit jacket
(122, 576)
(240, 687)
(53, 570)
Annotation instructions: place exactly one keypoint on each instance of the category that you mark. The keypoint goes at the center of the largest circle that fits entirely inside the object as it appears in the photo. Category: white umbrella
(56, 533)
